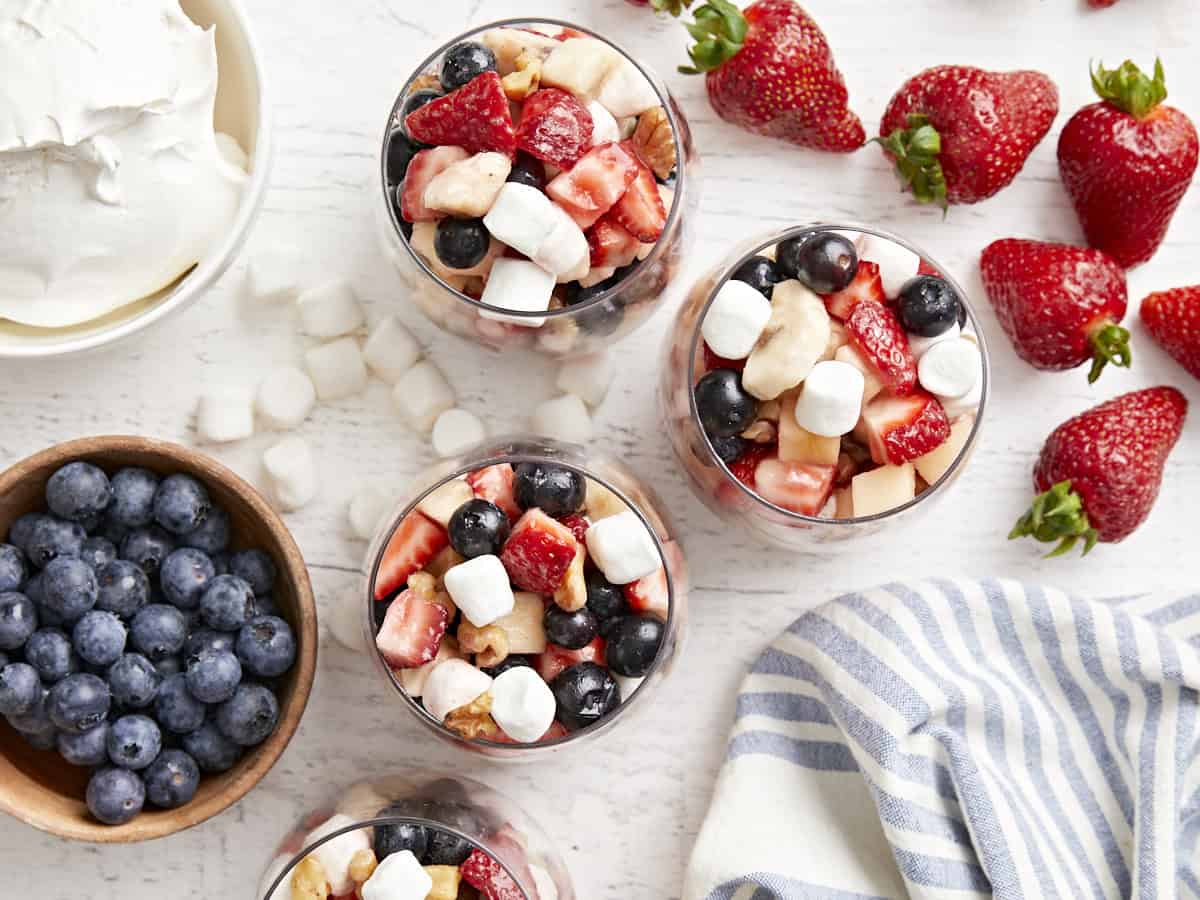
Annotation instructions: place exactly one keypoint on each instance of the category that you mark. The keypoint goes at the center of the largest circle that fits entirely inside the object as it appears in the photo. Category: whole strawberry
(770, 71)
(1059, 305)
(1101, 4)
(1173, 319)
(1127, 161)
(958, 134)
(1099, 474)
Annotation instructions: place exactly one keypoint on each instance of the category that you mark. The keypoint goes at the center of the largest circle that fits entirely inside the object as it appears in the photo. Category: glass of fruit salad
(527, 595)
(824, 382)
(537, 188)
(417, 836)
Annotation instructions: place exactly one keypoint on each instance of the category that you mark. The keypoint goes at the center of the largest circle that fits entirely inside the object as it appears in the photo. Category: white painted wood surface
(625, 811)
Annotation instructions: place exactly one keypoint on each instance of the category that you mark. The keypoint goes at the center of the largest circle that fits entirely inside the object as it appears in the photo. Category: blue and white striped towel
(961, 739)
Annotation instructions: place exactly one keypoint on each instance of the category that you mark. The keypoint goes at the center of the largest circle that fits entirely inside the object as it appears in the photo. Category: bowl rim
(307, 638)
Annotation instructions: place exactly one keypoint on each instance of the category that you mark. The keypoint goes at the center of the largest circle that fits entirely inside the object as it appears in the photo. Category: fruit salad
(522, 601)
(828, 375)
(534, 177)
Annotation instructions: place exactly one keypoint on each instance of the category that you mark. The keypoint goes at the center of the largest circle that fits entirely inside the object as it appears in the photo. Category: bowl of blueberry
(157, 639)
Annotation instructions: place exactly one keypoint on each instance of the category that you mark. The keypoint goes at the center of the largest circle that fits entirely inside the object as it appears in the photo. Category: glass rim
(856, 521)
(514, 458)
(640, 267)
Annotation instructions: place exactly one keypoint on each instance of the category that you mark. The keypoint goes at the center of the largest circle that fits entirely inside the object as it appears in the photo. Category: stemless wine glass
(453, 303)
(462, 831)
(611, 489)
(711, 479)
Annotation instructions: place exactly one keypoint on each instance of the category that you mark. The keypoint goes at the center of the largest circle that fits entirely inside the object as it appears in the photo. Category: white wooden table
(626, 811)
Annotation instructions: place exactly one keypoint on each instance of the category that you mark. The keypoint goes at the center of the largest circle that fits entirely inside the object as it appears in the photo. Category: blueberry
(400, 152)
(249, 716)
(170, 665)
(227, 604)
(36, 719)
(255, 568)
(604, 599)
(115, 796)
(45, 538)
(181, 504)
(134, 742)
(13, 569)
(600, 319)
(555, 490)
(99, 637)
(49, 651)
(585, 694)
(213, 534)
(172, 779)
(78, 703)
(465, 62)
(633, 645)
(213, 676)
(461, 243)
(572, 630)
(415, 101)
(528, 170)
(478, 528)
(133, 497)
(760, 273)
(725, 407)
(124, 588)
(147, 548)
(512, 661)
(111, 529)
(20, 689)
(86, 749)
(928, 306)
(265, 605)
(184, 575)
(133, 681)
(78, 491)
(46, 739)
(728, 448)
(5, 659)
(445, 848)
(206, 639)
(175, 707)
(220, 562)
(401, 836)
(158, 631)
(70, 588)
(266, 646)
(826, 261)
(213, 751)
(18, 620)
(98, 552)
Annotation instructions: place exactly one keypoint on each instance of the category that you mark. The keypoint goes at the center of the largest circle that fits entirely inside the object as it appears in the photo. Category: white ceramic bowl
(243, 111)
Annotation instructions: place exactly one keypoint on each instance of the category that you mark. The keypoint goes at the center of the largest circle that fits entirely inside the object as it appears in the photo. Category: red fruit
(557, 730)
(641, 210)
(878, 335)
(595, 184)
(555, 128)
(1173, 319)
(495, 484)
(488, 877)
(1102, 4)
(557, 659)
(867, 285)
(712, 361)
(578, 524)
(476, 117)
(538, 553)
(1100, 473)
(797, 487)
(650, 594)
(1127, 161)
(901, 429)
(416, 541)
(1061, 306)
(958, 134)
(769, 70)
(611, 245)
(926, 268)
(744, 467)
(412, 631)
(426, 166)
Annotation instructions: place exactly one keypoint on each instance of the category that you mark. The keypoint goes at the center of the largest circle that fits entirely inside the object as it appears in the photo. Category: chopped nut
(443, 563)
(445, 882)
(572, 593)
(526, 79)
(490, 644)
(427, 82)
(431, 589)
(760, 432)
(309, 881)
(474, 721)
(771, 410)
(363, 865)
(655, 141)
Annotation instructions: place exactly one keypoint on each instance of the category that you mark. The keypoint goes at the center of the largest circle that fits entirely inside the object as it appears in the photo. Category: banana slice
(793, 342)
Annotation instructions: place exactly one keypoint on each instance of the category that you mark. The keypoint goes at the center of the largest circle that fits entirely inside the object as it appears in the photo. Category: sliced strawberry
(867, 285)
(595, 183)
(495, 483)
(557, 730)
(712, 361)
(556, 659)
(426, 166)
(476, 117)
(412, 631)
(641, 209)
(901, 429)
(538, 553)
(650, 595)
(578, 524)
(555, 128)
(744, 467)
(880, 338)
(418, 540)
(568, 33)
(611, 245)
(488, 877)
(926, 268)
(797, 487)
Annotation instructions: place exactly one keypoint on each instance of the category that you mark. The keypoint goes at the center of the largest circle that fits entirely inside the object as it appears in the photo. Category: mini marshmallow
(735, 320)
(421, 395)
(622, 548)
(453, 684)
(330, 310)
(957, 407)
(335, 855)
(523, 704)
(399, 877)
(522, 217)
(565, 250)
(896, 264)
(414, 680)
(587, 376)
(337, 369)
(481, 590)
(605, 129)
(365, 512)
(293, 473)
(921, 345)
(951, 369)
(627, 92)
(271, 277)
(345, 619)
(225, 415)
(455, 432)
(391, 350)
(830, 401)
(285, 398)
(521, 286)
(566, 418)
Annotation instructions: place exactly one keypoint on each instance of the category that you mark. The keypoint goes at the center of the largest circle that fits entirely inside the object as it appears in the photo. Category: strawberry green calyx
(1111, 344)
(1129, 89)
(720, 33)
(674, 7)
(916, 150)
(1057, 515)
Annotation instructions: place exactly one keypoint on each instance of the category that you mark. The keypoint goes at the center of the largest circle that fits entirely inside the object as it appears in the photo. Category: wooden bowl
(39, 787)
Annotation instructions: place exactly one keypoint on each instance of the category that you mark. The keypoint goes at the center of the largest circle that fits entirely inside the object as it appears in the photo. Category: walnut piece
(427, 82)
(526, 79)
(309, 881)
(474, 721)
(446, 882)
(655, 141)
(425, 586)
(760, 432)
(363, 865)
(489, 644)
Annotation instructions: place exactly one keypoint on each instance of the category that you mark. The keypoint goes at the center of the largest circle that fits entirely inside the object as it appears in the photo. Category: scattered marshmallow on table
(951, 369)
(421, 395)
(622, 548)
(481, 590)
(566, 418)
(456, 431)
(897, 264)
(293, 473)
(344, 619)
(224, 415)
(605, 129)
(391, 350)
(285, 398)
(523, 704)
(366, 511)
(831, 398)
(335, 855)
(337, 369)
(922, 345)
(587, 376)
(330, 310)
(522, 217)
(521, 286)
(271, 277)
(399, 877)
(453, 684)
(735, 320)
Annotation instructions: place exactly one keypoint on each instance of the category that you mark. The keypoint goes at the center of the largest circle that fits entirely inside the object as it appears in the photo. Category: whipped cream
(113, 180)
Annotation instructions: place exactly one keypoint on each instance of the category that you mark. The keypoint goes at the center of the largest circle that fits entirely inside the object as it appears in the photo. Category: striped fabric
(961, 739)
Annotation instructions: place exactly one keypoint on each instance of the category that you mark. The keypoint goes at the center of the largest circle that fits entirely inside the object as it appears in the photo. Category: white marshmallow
(735, 320)
(587, 376)
(345, 619)
(522, 217)
(951, 369)
(543, 883)
(896, 264)
(565, 250)
(293, 473)
(330, 310)
(622, 548)
(271, 277)
(830, 402)
(453, 684)
(285, 398)
(414, 680)
(922, 345)
(957, 407)
(366, 511)
(337, 369)
(399, 877)
(522, 704)
(627, 92)
(391, 350)
(225, 415)
(521, 286)
(421, 395)
(605, 129)
(455, 432)
(480, 588)
(334, 856)
(566, 418)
